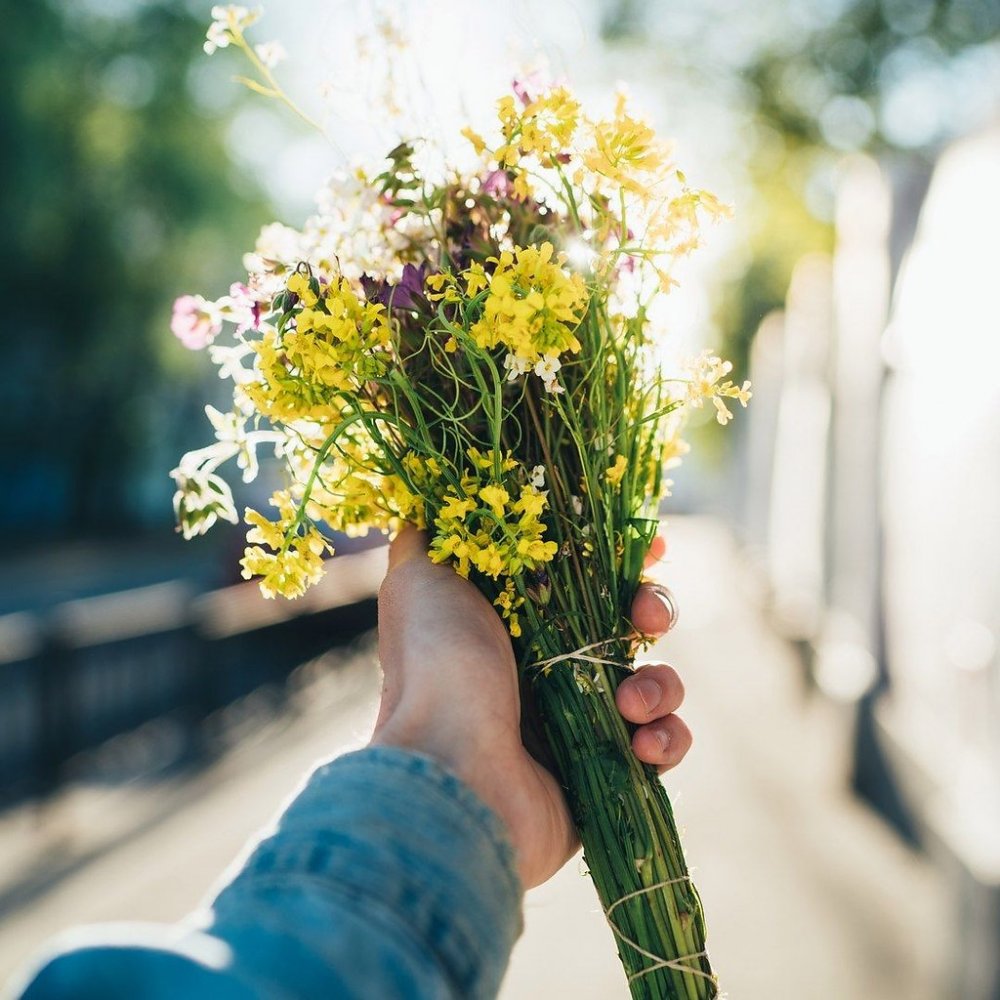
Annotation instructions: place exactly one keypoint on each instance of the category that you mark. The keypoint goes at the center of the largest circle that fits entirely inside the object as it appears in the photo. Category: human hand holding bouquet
(471, 352)
(451, 691)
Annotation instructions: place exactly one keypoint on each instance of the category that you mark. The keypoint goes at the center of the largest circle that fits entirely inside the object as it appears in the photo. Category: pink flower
(529, 87)
(244, 307)
(195, 322)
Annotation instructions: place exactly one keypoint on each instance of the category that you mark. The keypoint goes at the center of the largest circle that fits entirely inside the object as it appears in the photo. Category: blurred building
(875, 515)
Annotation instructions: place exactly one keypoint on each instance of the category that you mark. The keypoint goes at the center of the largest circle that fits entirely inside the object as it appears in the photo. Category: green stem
(629, 835)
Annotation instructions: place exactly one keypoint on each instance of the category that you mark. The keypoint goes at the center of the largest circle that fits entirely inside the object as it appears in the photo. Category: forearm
(389, 871)
(385, 877)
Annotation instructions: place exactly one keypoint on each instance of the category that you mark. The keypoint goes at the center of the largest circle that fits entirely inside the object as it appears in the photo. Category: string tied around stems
(680, 964)
(583, 653)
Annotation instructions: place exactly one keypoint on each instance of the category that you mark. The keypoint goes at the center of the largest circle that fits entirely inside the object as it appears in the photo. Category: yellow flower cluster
(544, 128)
(338, 341)
(707, 380)
(533, 305)
(287, 562)
(626, 152)
(494, 527)
(508, 601)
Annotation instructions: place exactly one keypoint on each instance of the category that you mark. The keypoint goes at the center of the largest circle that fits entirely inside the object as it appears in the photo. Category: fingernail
(666, 598)
(663, 738)
(649, 693)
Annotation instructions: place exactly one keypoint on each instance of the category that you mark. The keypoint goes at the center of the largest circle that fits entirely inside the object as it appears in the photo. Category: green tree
(116, 196)
(819, 78)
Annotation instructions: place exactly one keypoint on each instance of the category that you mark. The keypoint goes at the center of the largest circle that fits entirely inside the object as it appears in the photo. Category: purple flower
(407, 293)
(497, 184)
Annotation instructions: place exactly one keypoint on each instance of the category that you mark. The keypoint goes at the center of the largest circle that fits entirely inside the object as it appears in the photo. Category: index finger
(657, 550)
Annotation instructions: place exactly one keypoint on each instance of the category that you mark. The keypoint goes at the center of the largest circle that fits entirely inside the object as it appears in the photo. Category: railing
(99, 667)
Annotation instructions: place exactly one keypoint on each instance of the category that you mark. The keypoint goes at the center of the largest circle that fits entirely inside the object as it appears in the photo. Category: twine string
(583, 653)
(659, 962)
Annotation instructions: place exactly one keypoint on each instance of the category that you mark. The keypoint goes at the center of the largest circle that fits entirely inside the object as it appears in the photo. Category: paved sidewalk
(808, 896)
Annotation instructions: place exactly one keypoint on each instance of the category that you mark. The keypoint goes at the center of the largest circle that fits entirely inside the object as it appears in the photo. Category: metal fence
(100, 667)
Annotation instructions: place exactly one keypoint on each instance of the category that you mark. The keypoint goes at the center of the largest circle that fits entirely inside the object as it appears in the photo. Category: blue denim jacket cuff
(395, 834)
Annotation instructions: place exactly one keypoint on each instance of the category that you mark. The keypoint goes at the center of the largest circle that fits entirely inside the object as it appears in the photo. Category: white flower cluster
(356, 227)
(202, 496)
(545, 368)
(354, 233)
(228, 21)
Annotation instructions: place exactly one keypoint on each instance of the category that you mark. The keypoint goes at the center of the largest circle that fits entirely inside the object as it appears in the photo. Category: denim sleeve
(385, 877)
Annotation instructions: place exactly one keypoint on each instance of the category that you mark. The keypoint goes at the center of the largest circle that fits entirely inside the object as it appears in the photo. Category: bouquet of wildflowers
(471, 351)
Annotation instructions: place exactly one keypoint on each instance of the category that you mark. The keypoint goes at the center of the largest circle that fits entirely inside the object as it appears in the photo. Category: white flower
(201, 499)
(229, 361)
(233, 437)
(546, 369)
(515, 366)
(228, 20)
(537, 477)
(217, 37)
(722, 413)
(577, 504)
(270, 53)
(277, 242)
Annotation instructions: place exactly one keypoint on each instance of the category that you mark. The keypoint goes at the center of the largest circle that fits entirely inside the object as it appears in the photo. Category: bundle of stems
(476, 352)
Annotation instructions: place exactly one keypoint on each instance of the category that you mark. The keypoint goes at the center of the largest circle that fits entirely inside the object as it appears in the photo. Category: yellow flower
(505, 543)
(475, 279)
(298, 284)
(535, 550)
(494, 497)
(489, 561)
(478, 143)
(484, 460)
(531, 503)
(455, 508)
(441, 287)
(707, 380)
(615, 472)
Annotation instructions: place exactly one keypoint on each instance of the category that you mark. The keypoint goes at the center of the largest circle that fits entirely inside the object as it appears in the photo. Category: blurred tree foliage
(840, 75)
(833, 85)
(116, 195)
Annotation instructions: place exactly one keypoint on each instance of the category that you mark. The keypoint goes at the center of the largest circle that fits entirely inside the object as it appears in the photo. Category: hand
(451, 691)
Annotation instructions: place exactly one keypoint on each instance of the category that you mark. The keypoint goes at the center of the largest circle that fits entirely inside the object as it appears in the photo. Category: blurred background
(836, 553)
